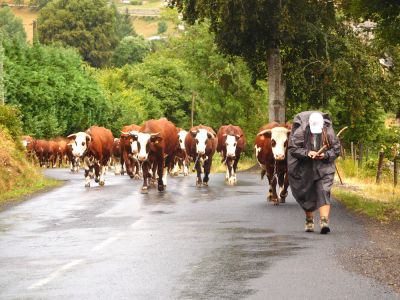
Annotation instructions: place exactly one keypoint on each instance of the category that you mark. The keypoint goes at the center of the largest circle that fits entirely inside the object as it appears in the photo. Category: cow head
(145, 141)
(132, 139)
(80, 143)
(181, 136)
(201, 136)
(279, 141)
(230, 143)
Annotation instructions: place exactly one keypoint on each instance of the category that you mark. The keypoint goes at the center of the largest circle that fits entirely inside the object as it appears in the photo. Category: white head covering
(316, 122)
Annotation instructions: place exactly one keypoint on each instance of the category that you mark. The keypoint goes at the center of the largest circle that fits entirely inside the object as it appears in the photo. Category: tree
(162, 27)
(55, 94)
(384, 12)
(261, 31)
(11, 27)
(124, 26)
(39, 3)
(87, 25)
(132, 49)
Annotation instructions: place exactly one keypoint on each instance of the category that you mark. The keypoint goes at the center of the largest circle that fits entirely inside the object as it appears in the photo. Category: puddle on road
(246, 254)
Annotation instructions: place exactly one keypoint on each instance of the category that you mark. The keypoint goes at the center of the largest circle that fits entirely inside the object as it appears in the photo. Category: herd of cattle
(158, 147)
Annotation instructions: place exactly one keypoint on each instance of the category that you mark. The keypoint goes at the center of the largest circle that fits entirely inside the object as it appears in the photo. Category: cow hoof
(131, 176)
(269, 198)
(199, 184)
(87, 184)
(205, 183)
(231, 181)
(116, 174)
(96, 180)
(101, 183)
(161, 188)
(145, 190)
(283, 200)
(185, 174)
(136, 177)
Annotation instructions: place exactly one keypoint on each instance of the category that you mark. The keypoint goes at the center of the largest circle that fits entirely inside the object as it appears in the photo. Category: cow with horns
(129, 151)
(200, 144)
(157, 143)
(271, 152)
(231, 143)
(95, 147)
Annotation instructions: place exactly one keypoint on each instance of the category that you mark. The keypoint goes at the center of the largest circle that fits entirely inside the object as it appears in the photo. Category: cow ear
(238, 136)
(72, 136)
(193, 133)
(210, 135)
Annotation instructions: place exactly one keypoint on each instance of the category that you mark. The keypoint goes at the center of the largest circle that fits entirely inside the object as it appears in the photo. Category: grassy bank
(360, 193)
(244, 163)
(17, 176)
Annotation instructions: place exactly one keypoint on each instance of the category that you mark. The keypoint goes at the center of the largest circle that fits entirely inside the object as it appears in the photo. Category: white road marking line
(107, 242)
(56, 274)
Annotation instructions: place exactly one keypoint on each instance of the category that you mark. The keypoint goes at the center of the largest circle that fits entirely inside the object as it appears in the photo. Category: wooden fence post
(380, 165)
(360, 154)
(352, 150)
(395, 170)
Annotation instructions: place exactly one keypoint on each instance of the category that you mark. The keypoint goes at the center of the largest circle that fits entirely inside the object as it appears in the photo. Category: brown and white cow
(62, 150)
(271, 153)
(53, 153)
(129, 151)
(94, 146)
(181, 160)
(200, 144)
(117, 157)
(231, 143)
(28, 143)
(157, 142)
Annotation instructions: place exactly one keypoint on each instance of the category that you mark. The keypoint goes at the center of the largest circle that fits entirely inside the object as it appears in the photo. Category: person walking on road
(312, 150)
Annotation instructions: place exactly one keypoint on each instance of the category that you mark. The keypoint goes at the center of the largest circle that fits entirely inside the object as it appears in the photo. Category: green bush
(136, 2)
(162, 27)
(10, 118)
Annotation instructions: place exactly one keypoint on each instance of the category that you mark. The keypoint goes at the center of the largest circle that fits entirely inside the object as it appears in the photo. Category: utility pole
(193, 98)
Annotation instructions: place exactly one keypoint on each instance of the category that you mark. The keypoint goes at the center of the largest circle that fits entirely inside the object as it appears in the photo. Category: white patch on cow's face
(79, 146)
(25, 143)
(230, 145)
(201, 141)
(143, 139)
(134, 144)
(182, 135)
(279, 141)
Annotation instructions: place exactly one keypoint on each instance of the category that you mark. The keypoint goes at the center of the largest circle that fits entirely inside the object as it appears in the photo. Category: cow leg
(138, 170)
(197, 166)
(96, 172)
(229, 164)
(87, 167)
(272, 187)
(154, 174)
(207, 168)
(161, 173)
(146, 176)
(284, 190)
(185, 168)
(102, 174)
(235, 164)
(175, 170)
(117, 166)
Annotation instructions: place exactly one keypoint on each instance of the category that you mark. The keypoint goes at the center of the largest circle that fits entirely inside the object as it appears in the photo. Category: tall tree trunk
(277, 88)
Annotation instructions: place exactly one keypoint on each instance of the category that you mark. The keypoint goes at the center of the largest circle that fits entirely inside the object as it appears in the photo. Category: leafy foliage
(87, 25)
(132, 49)
(385, 12)
(54, 93)
(11, 27)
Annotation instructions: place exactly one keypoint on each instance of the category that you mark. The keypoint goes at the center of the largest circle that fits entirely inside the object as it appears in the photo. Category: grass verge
(361, 194)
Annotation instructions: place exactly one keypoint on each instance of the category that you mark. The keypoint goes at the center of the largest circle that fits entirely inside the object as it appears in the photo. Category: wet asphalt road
(219, 242)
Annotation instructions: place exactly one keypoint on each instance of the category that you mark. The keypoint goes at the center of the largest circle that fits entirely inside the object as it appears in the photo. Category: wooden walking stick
(326, 146)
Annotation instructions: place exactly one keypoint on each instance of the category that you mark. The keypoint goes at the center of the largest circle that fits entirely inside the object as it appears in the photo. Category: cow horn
(212, 134)
(127, 133)
(73, 135)
(239, 136)
(264, 131)
(154, 134)
(133, 132)
(88, 136)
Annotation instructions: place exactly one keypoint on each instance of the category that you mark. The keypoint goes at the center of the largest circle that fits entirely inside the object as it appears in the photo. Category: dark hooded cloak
(311, 180)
